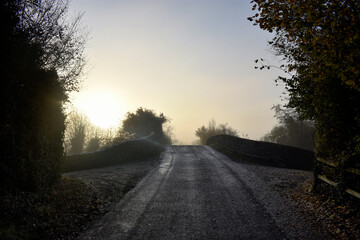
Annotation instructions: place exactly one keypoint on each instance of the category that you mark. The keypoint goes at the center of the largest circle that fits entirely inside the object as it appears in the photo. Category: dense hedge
(31, 114)
(32, 132)
(264, 152)
(125, 152)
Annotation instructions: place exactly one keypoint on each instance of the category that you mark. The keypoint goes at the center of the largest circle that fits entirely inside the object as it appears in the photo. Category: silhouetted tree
(62, 42)
(204, 133)
(33, 63)
(144, 122)
(319, 42)
(95, 138)
(77, 127)
(82, 136)
(93, 144)
(108, 137)
(290, 130)
(121, 136)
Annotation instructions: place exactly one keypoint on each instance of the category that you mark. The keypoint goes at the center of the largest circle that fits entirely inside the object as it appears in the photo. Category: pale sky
(192, 60)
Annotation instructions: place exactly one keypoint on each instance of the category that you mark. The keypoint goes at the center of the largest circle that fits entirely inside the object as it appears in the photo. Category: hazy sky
(192, 60)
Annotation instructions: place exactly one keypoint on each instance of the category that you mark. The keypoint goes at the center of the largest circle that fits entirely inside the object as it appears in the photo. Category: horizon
(193, 61)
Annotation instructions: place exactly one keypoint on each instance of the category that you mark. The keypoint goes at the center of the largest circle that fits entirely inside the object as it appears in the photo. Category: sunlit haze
(103, 108)
(192, 60)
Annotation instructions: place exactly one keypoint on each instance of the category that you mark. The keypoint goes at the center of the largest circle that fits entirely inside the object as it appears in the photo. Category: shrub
(204, 133)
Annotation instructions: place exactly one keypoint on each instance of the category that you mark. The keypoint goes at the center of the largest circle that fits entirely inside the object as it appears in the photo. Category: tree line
(319, 42)
(291, 130)
(82, 136)
(41, 61)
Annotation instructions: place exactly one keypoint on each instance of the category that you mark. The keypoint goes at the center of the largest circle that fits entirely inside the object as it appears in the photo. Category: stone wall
(125, 152)
(264, 152)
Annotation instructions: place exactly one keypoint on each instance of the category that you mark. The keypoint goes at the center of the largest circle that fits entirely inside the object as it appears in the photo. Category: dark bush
(32, 92)
(144, 122)
(32, 133)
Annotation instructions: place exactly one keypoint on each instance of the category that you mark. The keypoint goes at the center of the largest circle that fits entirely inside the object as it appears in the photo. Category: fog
(191, 60)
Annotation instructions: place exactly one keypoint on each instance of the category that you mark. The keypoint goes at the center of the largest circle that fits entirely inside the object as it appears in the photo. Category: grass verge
(71, 206)
(59, 214)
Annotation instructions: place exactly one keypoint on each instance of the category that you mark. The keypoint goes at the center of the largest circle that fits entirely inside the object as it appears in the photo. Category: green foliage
(32, 93)
(320, 45)
(290, 130)
(144, 122)
(204, 133)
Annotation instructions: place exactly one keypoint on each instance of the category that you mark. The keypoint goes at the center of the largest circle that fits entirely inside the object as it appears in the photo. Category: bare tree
(204, 133)
(62, 41)
(77, 126)
(291, 130)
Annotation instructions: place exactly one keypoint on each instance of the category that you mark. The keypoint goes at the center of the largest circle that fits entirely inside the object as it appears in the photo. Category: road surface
(199, 193)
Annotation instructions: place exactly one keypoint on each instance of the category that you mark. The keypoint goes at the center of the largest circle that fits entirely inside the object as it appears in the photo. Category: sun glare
(103, 109)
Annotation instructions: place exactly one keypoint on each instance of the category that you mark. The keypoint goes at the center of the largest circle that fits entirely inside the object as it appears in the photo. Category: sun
(103, 109)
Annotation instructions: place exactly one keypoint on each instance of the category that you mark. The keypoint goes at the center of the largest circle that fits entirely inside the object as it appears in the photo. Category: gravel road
(198, 193)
